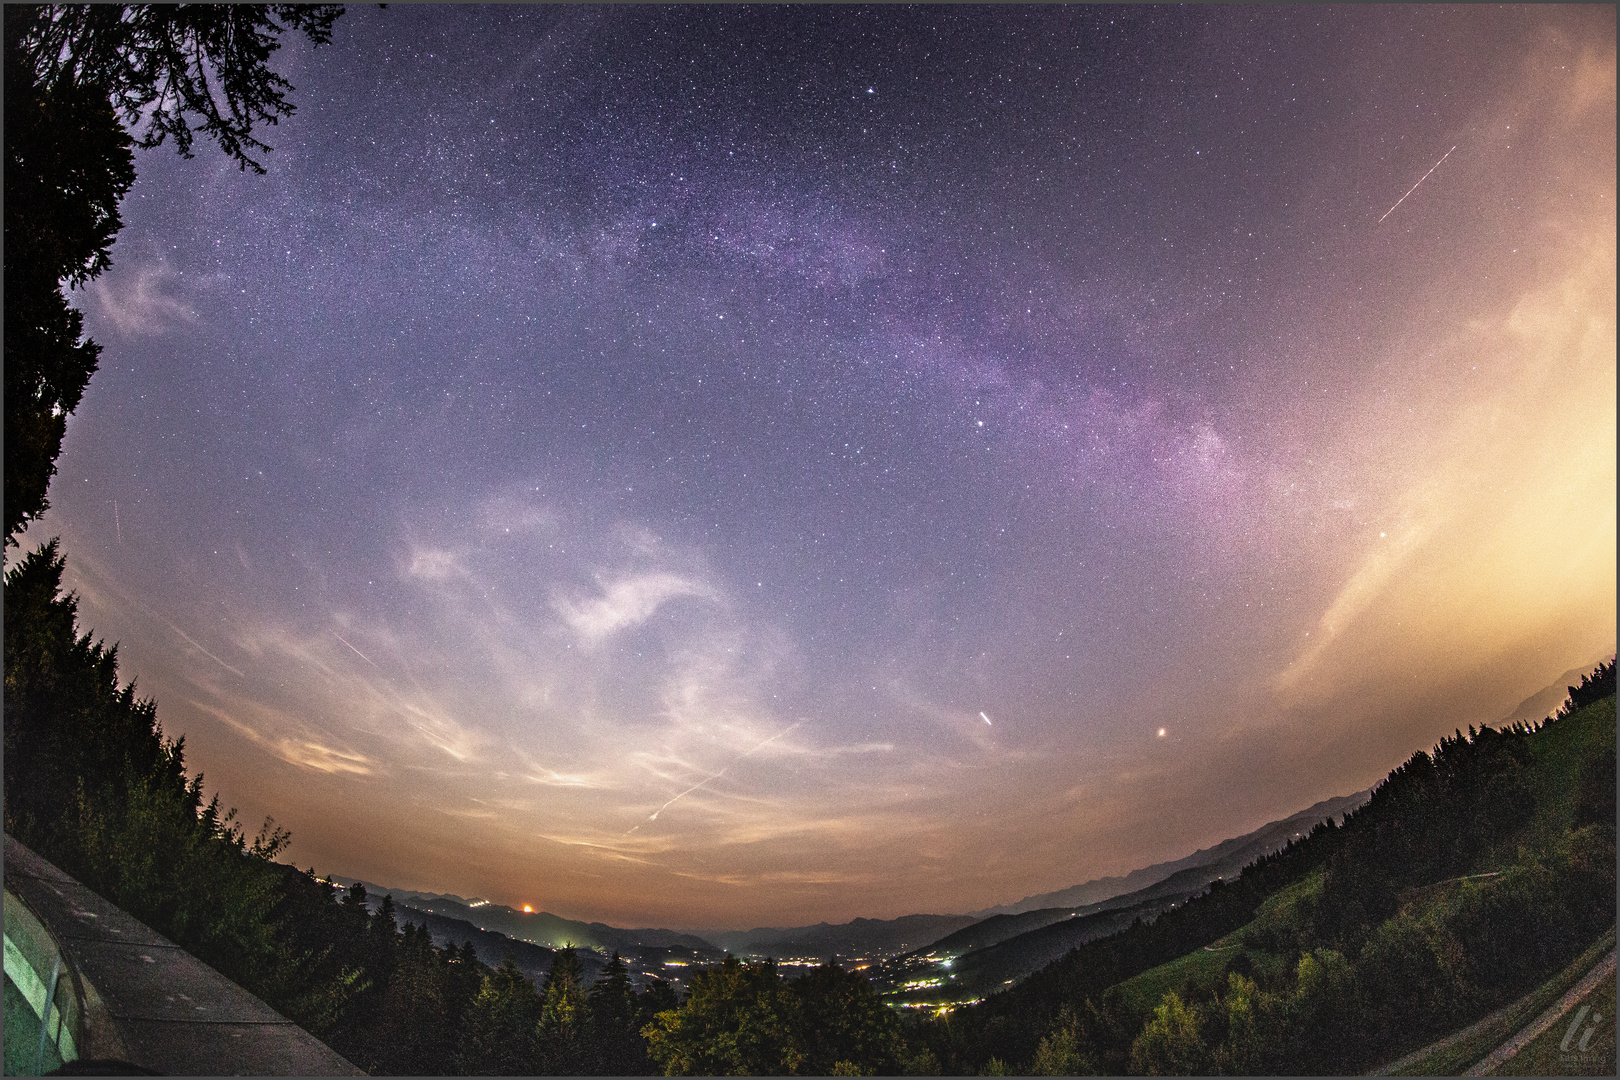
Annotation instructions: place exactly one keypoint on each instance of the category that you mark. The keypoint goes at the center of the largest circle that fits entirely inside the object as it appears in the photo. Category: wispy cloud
(627, 602)
(303, 748)
(138, 303)
(314, 755)
(535, 773)
(1479, 551)
(1369, 581)
(434, 565)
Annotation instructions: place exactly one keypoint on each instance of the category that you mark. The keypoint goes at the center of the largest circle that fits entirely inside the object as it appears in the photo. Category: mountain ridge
(1544, 702)
(1102, 889)
(537, 927)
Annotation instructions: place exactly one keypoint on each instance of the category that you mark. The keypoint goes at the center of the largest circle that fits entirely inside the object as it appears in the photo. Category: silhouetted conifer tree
(498, 1038)
(616, 1046)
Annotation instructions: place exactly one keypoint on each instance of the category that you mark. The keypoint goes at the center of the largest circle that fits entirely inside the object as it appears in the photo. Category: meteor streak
(986, 719)
(1414, 187)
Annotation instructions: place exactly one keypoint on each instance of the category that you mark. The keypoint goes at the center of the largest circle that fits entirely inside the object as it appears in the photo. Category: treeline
(405, 1007)
(744, 1019)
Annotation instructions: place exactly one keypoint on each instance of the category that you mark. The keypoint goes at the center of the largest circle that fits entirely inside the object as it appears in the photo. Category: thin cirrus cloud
(344, 694)
(434, 565)
(1480, 532)
(624, 603)
(138, 303)
(301, 749)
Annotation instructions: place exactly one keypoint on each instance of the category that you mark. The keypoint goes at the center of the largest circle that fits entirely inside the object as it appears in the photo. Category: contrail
(357, 652)
(716, 776)
(1426, 175)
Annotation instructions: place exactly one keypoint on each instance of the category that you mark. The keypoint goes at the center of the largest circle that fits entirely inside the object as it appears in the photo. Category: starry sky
(748, 466)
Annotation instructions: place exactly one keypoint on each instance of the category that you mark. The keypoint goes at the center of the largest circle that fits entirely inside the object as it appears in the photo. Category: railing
(43, 995)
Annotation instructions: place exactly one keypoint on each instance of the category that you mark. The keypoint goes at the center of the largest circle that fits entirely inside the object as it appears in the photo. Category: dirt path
(1604, 969)
(1394, 1067)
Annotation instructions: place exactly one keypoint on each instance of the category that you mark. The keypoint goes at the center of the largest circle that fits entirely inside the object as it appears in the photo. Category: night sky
(722, 467)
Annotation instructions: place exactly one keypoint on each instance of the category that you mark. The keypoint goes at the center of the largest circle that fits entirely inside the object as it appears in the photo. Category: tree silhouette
(564, 1015)
(616, 1048)
(175, 64)
(72, 732)
(68, 163)
(845, 1023)
(498, 1038)
(72, 71)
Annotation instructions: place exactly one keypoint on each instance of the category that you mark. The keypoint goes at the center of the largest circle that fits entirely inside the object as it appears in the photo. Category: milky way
(620, 459)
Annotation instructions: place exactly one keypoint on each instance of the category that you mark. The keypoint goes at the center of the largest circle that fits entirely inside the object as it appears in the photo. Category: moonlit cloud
(557, 779)
(434, 565)
(313, 755)
(1513, 508)
(626, 602)
(300, 750)
(139, 303)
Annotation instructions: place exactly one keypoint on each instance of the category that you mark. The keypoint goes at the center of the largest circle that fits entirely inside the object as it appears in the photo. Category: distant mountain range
(1004, 938)
(539, 927)
(991, 961)
(1546, 701)
(1227, 857)
(491, 947)
(986, 955)
(859, 938)
(533, 938)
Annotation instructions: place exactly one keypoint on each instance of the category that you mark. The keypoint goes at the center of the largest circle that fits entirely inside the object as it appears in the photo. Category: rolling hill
(994, 952)
(1542, 703)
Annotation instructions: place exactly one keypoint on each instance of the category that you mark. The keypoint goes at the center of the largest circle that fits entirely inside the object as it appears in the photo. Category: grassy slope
(1559, 749)
(1278, 914)
(1143, 992)
(988, 969)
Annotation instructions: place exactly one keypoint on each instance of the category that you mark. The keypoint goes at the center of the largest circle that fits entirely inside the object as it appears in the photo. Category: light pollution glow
(626, 486)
